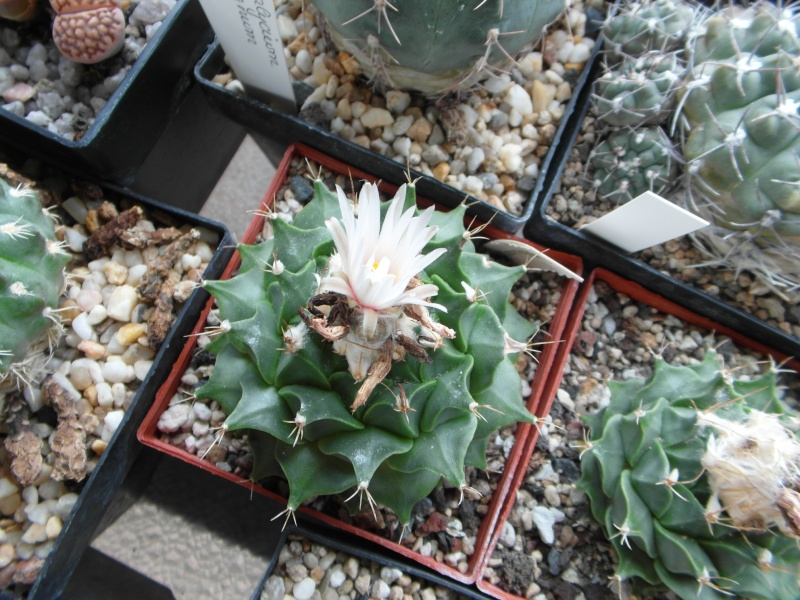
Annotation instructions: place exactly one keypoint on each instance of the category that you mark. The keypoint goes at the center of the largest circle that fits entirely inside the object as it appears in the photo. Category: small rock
(304, 589)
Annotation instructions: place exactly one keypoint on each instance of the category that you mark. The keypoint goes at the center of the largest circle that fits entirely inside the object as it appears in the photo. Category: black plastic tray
(119, 140)
(341, 541)
(100, 491)
(261, 119)
(598, 253)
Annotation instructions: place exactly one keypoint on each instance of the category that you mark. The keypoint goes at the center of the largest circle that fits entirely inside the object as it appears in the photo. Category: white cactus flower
(375, 263)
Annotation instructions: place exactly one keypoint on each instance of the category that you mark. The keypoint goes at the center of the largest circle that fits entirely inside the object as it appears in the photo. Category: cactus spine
(695, 477)
(299, 333)
(31, 280)
(433, 46)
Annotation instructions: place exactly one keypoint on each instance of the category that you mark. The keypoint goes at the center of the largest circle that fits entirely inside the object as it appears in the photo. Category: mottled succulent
(739, 109)
(629, 162)
(638, 27)
(434, 46)
(31, 280)
(329, 359)
(694, 475)
(639, 91)
(88, 31)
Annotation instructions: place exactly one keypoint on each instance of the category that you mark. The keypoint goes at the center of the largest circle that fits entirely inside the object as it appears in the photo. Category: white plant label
(248, 32)
(645, 221)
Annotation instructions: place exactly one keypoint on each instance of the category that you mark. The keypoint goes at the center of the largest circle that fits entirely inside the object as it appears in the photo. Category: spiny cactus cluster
(695, 477)
(86, 31)
(342, 392)
(434, 46)
(635, 98)
(739, 109)
(31, 280)
(640, 27)
(629, 162)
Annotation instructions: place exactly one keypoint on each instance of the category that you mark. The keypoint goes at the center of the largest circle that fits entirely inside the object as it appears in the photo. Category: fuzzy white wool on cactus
(376, 263)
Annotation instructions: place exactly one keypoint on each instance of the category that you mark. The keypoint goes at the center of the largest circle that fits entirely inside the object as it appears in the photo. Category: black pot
(118, 141)
(109, 489)
(264, 121)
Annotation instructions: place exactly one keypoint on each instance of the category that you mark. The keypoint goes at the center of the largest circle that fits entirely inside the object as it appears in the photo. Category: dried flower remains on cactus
(341, 369)
(694, 475)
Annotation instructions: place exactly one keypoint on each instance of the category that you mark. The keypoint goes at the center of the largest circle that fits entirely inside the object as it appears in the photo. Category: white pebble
(104, 396)
(175, 417)
(116, 371)
(87, 299)
(337, 577)
(201, 411)
(376, 117)
(518, 98)
(122, 302)
(7, 487)
(81, 326)
(190, 261)
(141, 368)
(304, 589)
(135, 274)
(544, 519)
(110, 424)
(97, 315)
(65, 504)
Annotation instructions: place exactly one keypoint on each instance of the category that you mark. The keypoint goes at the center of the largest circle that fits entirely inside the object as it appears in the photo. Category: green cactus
(629, 162)
(742, 126)
(31, 280)
(434, 46)
(639, 91)
(695, 477)
(431, 391)
(638, 27)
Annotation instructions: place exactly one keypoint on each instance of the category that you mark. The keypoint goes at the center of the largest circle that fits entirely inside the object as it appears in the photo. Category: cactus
(639, 27)
(639, 91)
(630, 162)
(739, 112)
(31, 280)
(434, 46)
(695, 477)
(332, 364)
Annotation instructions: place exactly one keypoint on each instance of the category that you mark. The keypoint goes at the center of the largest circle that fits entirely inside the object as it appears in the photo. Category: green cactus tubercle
(31, 280)
(693, 475)
(629, 162)
(434, 45)
(637, 27)
(432, 401)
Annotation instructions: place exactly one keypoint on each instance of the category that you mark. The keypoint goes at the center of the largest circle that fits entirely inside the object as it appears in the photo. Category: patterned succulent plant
(739, 109)
(31, 280)
(86, 31)
(330, 360)
(629, 162)
(695, 477)
(434, 45)
(638, 27)
(639, 91)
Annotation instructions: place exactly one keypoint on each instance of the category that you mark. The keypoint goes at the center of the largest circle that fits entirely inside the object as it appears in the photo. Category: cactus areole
(341, 369)
(695, 477)
(434, 46)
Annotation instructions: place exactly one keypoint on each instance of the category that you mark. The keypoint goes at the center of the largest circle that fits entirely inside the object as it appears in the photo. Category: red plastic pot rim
(636, 292)
(548, 361)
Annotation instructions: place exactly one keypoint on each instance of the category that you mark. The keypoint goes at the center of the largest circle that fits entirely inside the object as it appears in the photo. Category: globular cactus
(31, 280)
(434, 46)
(629, 162)
(328, 357)
(739, 109)
(638, 27)
(695, 477)
(639, 91)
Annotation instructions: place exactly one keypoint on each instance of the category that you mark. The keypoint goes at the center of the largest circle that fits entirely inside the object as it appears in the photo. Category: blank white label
(645, 221)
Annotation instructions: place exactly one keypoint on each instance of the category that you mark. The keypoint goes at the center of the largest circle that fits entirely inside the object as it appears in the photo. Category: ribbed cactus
(434, 45)
(638, 27)
(742, 125)
(330, 361)
(639, 91)
(630, 162)
(31, 280)
(695, 477)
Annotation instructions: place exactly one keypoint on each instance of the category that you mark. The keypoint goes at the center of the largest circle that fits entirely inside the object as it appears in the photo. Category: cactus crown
(695, 477)
(305, 319)
(31, 280)
(432, 45)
